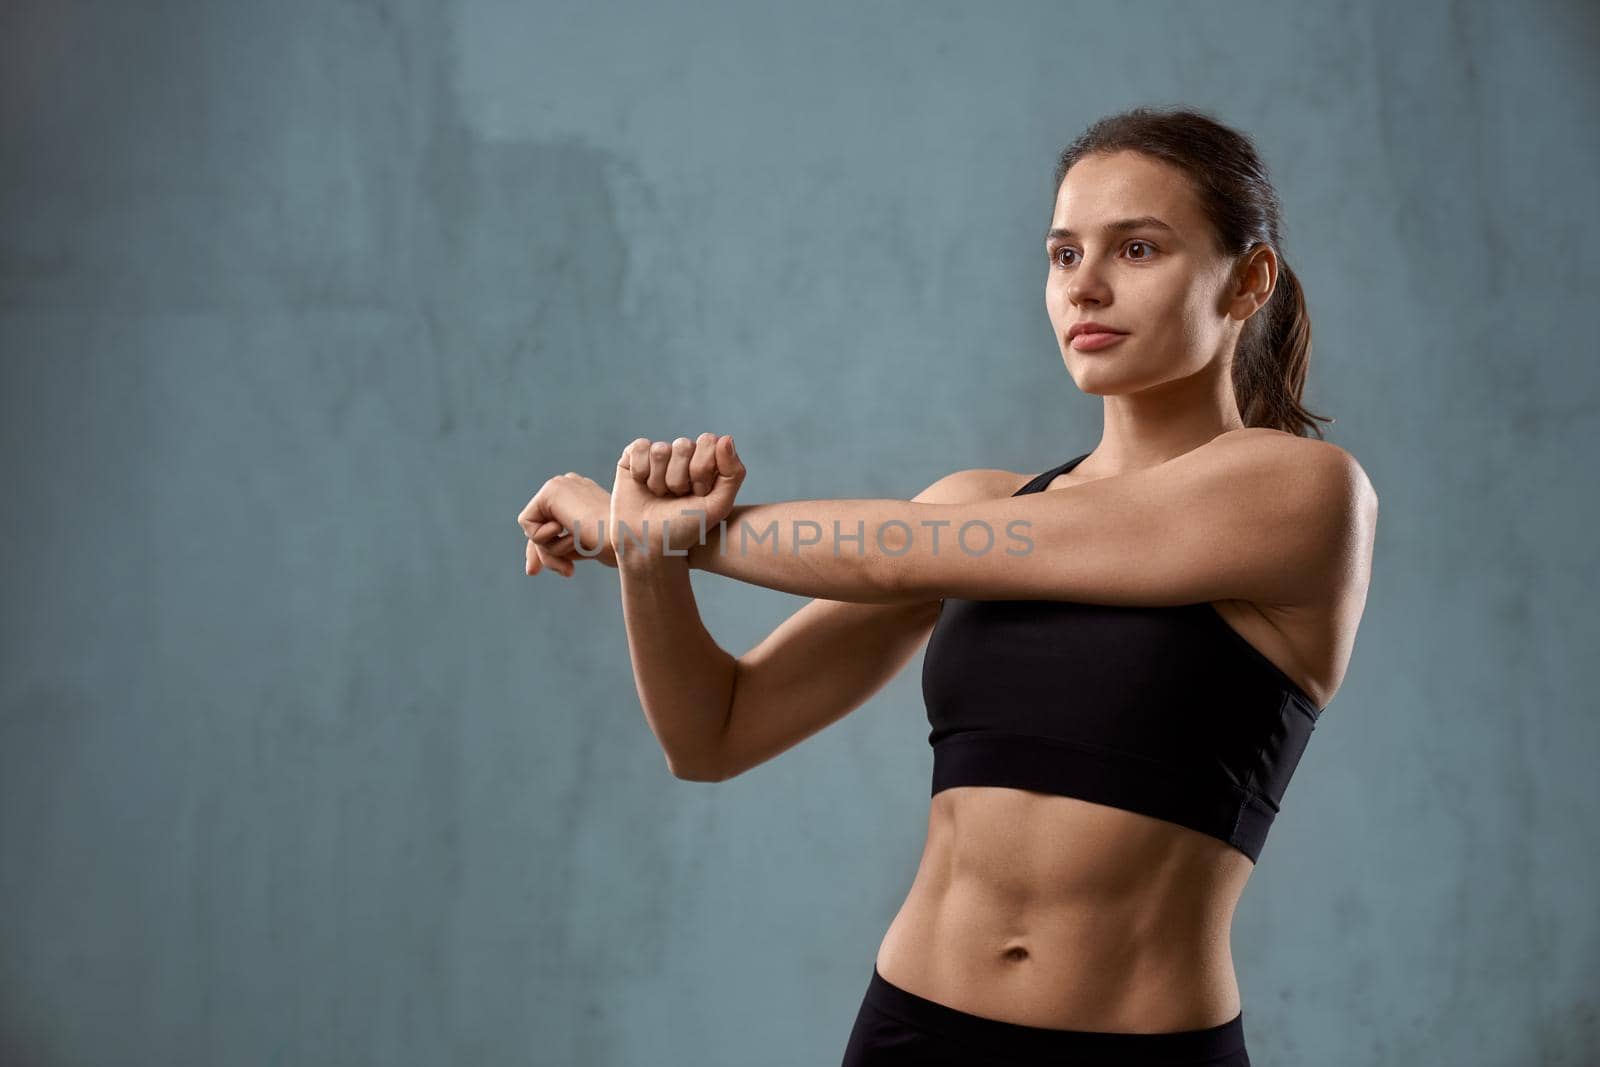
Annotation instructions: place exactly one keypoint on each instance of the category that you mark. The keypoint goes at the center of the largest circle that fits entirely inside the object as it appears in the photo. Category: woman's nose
(1087, 289)
(1088, 283)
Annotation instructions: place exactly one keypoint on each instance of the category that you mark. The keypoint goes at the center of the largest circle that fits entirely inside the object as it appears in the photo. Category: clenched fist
(566, 506)
(683, 488)
(662, 481)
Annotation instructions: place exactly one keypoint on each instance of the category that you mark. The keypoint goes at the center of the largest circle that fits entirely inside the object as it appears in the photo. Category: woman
(1119, 686)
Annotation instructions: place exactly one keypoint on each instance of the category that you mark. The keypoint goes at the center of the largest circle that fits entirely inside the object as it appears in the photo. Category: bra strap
(1038, 483)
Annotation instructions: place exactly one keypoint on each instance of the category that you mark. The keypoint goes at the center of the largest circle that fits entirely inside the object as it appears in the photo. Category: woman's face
(1167, 288)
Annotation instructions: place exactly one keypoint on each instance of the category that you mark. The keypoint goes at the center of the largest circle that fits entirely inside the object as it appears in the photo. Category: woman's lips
(1093, 342)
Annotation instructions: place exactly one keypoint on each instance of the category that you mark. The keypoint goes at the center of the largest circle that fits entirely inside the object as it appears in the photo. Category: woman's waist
(1069, 966)
(1052, 855)
(1051, 911)
(985, 916)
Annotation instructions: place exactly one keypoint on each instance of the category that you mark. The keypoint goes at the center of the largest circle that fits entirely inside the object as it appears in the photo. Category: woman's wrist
(642, 561)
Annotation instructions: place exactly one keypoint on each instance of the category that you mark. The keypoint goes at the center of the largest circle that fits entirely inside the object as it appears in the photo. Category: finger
(561, 566)
(639, 459)
(533, 513)
(537, 512)
(539, 560)
(660, 454)
(546, 533)
(728, 462)
(678, 466)
(703, 465)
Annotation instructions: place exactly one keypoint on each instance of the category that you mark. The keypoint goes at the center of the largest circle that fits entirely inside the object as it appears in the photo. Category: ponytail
(1269, 370)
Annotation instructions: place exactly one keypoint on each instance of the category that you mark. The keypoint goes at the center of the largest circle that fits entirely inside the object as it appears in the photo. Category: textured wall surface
(300, 302)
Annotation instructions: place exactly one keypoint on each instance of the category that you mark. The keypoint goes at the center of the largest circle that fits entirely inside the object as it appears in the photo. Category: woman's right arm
(717, 716)
(683, 676)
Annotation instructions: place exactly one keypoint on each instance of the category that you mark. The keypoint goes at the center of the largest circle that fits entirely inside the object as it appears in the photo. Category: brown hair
(1231, 183)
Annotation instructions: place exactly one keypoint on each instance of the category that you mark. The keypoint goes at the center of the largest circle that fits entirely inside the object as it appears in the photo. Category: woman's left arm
(1265, 517)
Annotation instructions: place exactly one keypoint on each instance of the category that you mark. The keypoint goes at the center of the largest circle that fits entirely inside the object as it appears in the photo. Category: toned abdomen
(1050, 911)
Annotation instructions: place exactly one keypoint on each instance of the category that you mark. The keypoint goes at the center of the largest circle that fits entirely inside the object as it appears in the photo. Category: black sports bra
(1166, 711)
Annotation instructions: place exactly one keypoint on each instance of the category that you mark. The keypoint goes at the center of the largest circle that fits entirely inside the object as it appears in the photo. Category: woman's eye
(1149, 248)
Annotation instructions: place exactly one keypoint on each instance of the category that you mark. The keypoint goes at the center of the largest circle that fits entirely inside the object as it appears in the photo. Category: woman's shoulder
(972, 484)
(1344, 474)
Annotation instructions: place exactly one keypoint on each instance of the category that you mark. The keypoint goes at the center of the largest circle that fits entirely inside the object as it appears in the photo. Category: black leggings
(897, 1028)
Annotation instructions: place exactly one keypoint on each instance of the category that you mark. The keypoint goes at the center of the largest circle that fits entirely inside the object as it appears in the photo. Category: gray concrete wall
(300, 302)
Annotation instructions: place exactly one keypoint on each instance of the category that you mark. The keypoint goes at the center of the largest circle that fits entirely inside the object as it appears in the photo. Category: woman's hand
(564, 504)
(684, 488)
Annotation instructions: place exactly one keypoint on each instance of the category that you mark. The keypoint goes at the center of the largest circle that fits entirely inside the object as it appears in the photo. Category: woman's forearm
(684, 678)
(833, 549)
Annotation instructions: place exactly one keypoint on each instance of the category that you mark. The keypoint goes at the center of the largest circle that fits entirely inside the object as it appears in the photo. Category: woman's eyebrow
(1143, 222)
